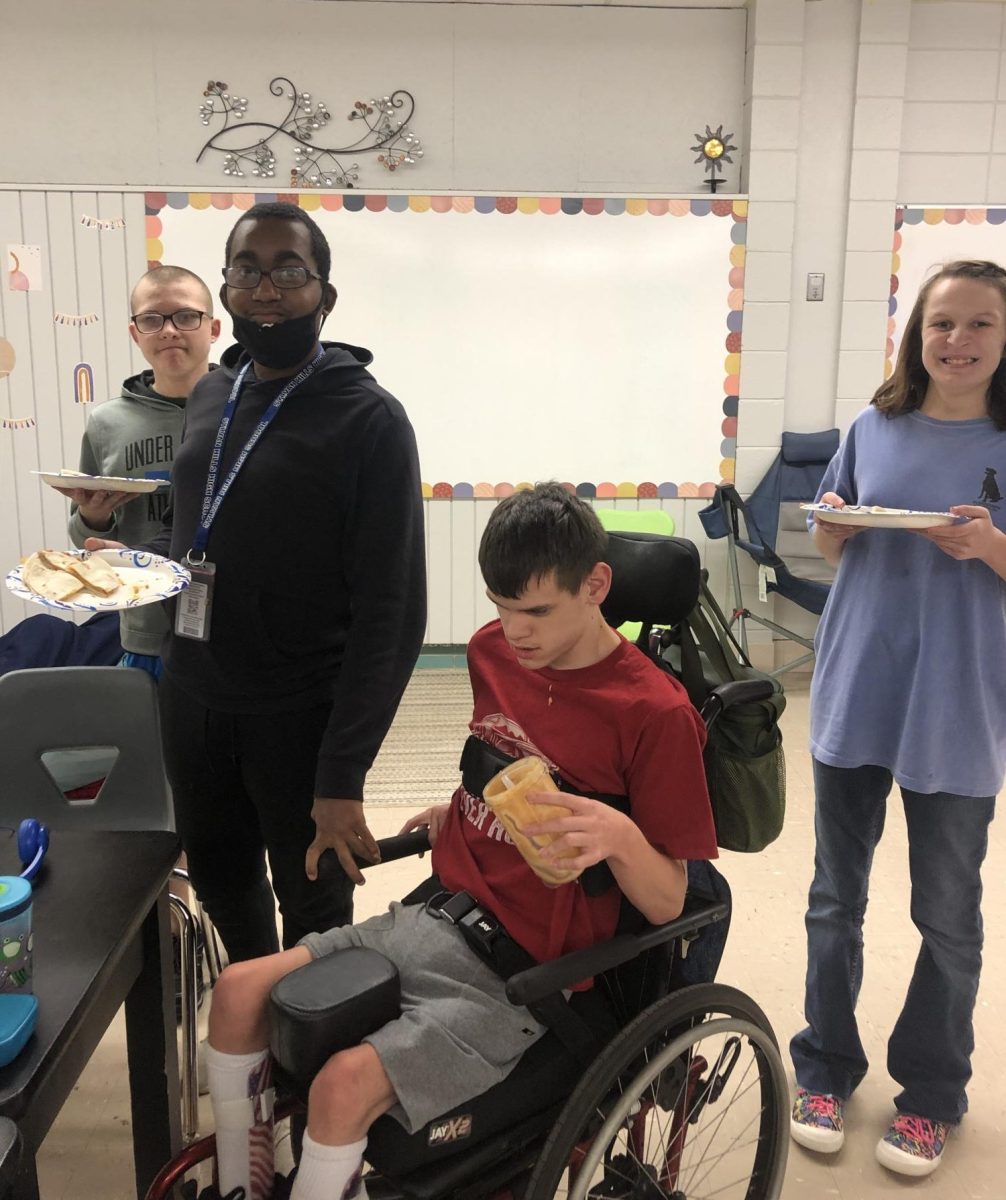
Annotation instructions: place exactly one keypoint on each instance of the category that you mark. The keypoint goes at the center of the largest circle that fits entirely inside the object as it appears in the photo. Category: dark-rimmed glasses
(284, 278)
(185, 320)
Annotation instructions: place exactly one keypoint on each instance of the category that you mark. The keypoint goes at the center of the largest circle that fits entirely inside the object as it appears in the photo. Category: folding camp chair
(775, 535)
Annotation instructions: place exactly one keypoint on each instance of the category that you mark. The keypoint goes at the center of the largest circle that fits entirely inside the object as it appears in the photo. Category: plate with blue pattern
(65, 478)
(875, 517)
(144, 579)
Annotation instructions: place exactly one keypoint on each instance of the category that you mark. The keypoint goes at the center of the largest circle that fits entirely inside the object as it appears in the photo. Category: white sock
(329, 1172)
(241, 1095)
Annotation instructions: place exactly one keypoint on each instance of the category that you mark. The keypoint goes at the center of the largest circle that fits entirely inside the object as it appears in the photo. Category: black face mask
(282, 345)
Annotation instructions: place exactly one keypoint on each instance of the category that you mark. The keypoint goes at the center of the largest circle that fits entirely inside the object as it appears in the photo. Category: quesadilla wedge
(95, 574)
(43, 580)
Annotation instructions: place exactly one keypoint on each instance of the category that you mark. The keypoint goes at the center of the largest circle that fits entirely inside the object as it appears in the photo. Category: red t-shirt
(622, 727)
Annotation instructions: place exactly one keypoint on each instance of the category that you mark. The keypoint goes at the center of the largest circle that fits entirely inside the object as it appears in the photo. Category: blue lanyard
(212, 498)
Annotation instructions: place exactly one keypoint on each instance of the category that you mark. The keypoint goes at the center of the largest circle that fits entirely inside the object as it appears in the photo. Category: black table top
(90, 900)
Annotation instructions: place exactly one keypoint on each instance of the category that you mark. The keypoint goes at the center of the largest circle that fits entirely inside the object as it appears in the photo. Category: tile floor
(87, 1155)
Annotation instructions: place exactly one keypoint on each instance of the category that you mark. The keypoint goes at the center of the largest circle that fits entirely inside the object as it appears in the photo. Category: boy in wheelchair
(549, 678)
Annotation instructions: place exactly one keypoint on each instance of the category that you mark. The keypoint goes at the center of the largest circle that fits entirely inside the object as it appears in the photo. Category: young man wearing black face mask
(297, 503)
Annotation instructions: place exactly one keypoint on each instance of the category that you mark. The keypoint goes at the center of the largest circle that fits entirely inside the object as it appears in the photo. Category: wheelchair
(679, 1094)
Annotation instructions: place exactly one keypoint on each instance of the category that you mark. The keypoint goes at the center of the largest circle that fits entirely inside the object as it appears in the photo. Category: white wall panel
(457, 601)
(44, 376)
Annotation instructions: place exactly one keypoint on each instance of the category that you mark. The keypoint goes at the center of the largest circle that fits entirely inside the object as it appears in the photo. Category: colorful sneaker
(816, 1121)
(913, 1145)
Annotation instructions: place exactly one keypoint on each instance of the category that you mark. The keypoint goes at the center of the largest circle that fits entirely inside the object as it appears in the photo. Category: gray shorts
(458, 1035)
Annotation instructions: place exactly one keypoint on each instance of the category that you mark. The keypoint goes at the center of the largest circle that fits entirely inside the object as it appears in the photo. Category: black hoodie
(320, 589)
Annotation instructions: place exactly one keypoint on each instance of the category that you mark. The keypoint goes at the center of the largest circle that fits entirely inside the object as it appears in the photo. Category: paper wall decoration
(99, 223)
(7, 360)
(83, 383)
(75, 318)
(24, 268)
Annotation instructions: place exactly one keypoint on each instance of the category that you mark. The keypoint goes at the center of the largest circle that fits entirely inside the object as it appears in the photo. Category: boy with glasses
(137, 433)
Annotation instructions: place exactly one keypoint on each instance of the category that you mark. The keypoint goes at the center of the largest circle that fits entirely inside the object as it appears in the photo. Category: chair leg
(189, 1062)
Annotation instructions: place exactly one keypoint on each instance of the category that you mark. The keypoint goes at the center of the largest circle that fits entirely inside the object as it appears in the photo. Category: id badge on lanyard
(195, 604)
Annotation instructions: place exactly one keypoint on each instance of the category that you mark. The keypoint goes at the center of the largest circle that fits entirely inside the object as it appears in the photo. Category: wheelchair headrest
(654, 578)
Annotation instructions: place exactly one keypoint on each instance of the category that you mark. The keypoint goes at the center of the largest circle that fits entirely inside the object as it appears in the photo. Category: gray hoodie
(134, 435)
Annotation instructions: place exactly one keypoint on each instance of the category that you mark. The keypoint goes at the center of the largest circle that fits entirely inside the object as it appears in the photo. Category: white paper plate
(146, 578)
(99, 483)
(880, 518)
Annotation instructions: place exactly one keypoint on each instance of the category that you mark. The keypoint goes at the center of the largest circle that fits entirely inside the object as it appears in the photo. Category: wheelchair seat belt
(487, 938)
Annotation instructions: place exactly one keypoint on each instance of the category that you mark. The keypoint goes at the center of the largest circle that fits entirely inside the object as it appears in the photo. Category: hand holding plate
(832, 529)
(96, 507)
(976, 537)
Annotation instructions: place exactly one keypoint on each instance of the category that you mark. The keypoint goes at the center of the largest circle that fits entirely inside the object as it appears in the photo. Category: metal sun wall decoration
(714, 149)
(386, 119)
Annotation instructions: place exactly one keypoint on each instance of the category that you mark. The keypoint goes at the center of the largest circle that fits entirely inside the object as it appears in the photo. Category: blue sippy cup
(15, 934)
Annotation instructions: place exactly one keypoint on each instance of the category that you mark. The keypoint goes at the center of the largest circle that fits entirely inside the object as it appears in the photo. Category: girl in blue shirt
(909, 687)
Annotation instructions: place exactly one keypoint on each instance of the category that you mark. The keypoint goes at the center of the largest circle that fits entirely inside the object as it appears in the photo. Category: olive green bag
(745, 765)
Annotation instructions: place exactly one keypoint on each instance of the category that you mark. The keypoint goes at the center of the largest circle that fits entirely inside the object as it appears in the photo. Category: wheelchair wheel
(688, 1102)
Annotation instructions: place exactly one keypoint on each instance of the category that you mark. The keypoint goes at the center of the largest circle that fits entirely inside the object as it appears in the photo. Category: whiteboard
(591, 340)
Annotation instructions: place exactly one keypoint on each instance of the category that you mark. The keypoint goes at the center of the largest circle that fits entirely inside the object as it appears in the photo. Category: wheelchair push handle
(403, 845)
(739, 691)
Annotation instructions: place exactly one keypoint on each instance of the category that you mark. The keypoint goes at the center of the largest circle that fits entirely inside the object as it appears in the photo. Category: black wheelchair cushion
(328, 1005)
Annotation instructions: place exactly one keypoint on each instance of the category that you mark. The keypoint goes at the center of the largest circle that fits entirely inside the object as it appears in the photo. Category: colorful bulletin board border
(570, 206)
(907, 215)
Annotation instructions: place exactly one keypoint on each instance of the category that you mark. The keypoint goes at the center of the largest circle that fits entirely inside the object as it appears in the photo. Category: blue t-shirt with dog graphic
(911, 648)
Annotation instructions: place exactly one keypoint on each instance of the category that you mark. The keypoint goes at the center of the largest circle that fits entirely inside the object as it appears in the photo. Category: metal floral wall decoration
(250, 147)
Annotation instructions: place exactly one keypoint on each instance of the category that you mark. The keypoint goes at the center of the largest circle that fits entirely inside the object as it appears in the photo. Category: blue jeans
(929, 1051)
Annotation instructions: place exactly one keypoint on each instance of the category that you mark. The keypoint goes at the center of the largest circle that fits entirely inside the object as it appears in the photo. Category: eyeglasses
(284, 278)
(185, 320)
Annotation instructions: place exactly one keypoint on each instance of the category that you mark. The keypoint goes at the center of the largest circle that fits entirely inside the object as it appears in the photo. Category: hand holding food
(506, 795)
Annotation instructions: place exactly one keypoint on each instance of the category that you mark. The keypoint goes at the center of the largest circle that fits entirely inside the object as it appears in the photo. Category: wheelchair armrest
(402, 845)
(534, 984)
